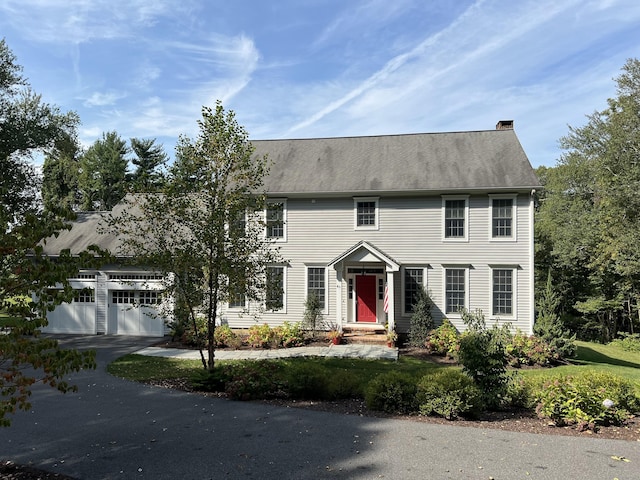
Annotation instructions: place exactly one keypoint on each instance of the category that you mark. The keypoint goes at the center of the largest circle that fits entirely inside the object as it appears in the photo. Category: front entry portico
(364, 276)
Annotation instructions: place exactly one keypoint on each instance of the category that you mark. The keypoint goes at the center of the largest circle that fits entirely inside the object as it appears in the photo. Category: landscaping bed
(512, 420)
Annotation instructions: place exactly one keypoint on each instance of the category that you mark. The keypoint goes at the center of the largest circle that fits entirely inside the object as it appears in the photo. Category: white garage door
(133, 313)
(79, 316)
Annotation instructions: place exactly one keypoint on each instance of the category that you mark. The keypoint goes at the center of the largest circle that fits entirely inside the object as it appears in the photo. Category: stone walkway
(339, 351)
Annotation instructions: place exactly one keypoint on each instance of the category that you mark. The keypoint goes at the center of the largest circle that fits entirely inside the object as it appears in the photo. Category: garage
(133, 312)
(79, 316)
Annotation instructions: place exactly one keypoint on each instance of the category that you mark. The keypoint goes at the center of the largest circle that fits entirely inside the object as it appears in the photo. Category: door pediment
(366, 252)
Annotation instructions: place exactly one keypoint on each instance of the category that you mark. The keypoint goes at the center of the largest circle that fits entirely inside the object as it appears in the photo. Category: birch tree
(205, 230)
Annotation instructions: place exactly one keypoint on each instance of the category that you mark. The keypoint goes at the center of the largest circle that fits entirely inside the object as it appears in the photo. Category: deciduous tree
(205, 228)
(590, 214)
(27, 125)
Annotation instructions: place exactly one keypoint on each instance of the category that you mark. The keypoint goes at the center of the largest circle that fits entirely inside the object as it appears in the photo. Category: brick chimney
(504, 125)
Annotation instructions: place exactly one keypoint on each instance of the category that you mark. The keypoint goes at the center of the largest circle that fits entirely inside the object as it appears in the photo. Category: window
(274, 299)
(122, 296)
(455, 289)
(149, 297)
(316, 284)
(275, 219)
(502, 218)
(238, 224)
(455, 218)
(237, 300)
(413, 282)
(84, 296)
(502, 291)
(366, 213)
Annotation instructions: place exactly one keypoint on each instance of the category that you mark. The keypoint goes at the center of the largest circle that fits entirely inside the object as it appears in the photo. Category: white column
(339, 295)
(391, 318)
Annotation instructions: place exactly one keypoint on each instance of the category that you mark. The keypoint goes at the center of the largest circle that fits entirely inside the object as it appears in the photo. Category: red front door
(367, 299)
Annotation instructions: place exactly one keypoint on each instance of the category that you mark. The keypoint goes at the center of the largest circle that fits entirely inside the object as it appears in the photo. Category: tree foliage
(26, 126)
(421, 320)
(589, 219)
(103, 173)
(149, 160)
(205, 227)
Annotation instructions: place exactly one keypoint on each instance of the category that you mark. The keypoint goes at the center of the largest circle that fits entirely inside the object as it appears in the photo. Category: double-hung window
(316, 285)
(503, 218)
(366, 213)
(413, 283)
(502, 286)
(276, 220)
(455, 214)
(275, 285)
(237, 298)
(455, 290)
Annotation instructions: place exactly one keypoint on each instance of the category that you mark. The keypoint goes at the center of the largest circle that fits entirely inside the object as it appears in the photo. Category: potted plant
(335, 336)
(392, 336)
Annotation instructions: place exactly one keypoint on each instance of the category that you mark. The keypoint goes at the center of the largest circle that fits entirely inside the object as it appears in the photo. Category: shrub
(483, 357)
(421, 320)
(627, 341)
(391, 392)
(344, 384)
(195, 335)
(444, 340)
(307, 382)
(216, 381)
(260, 336)
(289, 335)
(524, 349)
(312, 319)
(223, 336)
(588, 399)
(520, 391)
(550, 327)
(448, 393)
(254, 380)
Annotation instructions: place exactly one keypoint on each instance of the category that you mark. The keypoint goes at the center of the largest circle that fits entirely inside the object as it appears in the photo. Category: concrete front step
(364, 334)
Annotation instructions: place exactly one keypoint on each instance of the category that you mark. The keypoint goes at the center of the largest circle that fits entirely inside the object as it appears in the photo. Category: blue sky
(319, 68)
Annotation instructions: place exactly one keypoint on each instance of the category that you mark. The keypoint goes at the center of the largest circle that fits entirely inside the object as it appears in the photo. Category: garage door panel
(72, 318)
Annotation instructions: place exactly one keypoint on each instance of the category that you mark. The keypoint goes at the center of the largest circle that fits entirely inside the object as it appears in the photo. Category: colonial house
(363, 223)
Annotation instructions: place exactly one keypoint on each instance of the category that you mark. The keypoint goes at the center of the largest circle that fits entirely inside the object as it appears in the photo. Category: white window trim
(443, 230)
(325, 307)
(284, 292)
(283, 201)
(514, 292)
(424, 269)
(467, 281)
(356, 200)
(514, 217)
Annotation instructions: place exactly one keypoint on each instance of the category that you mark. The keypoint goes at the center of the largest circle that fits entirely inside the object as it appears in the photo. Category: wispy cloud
(455, 47)
(78, 21)
(101, 99)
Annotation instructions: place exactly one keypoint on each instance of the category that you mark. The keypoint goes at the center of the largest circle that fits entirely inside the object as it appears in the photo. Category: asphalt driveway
(115, 429)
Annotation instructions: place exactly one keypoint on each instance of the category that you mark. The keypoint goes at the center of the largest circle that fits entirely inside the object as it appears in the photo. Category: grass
(590, 356)
(142, 368)
(600, 358)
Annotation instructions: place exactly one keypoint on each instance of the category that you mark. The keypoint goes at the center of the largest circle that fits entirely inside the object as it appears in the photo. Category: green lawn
(143, 368)
(601, 358)
(590, 356)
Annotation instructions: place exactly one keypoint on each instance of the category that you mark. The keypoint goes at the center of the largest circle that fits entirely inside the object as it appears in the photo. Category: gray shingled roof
(435, 162)
(432, 162)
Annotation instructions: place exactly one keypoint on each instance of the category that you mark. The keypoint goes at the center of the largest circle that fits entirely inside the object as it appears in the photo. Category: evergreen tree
(421, 320)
